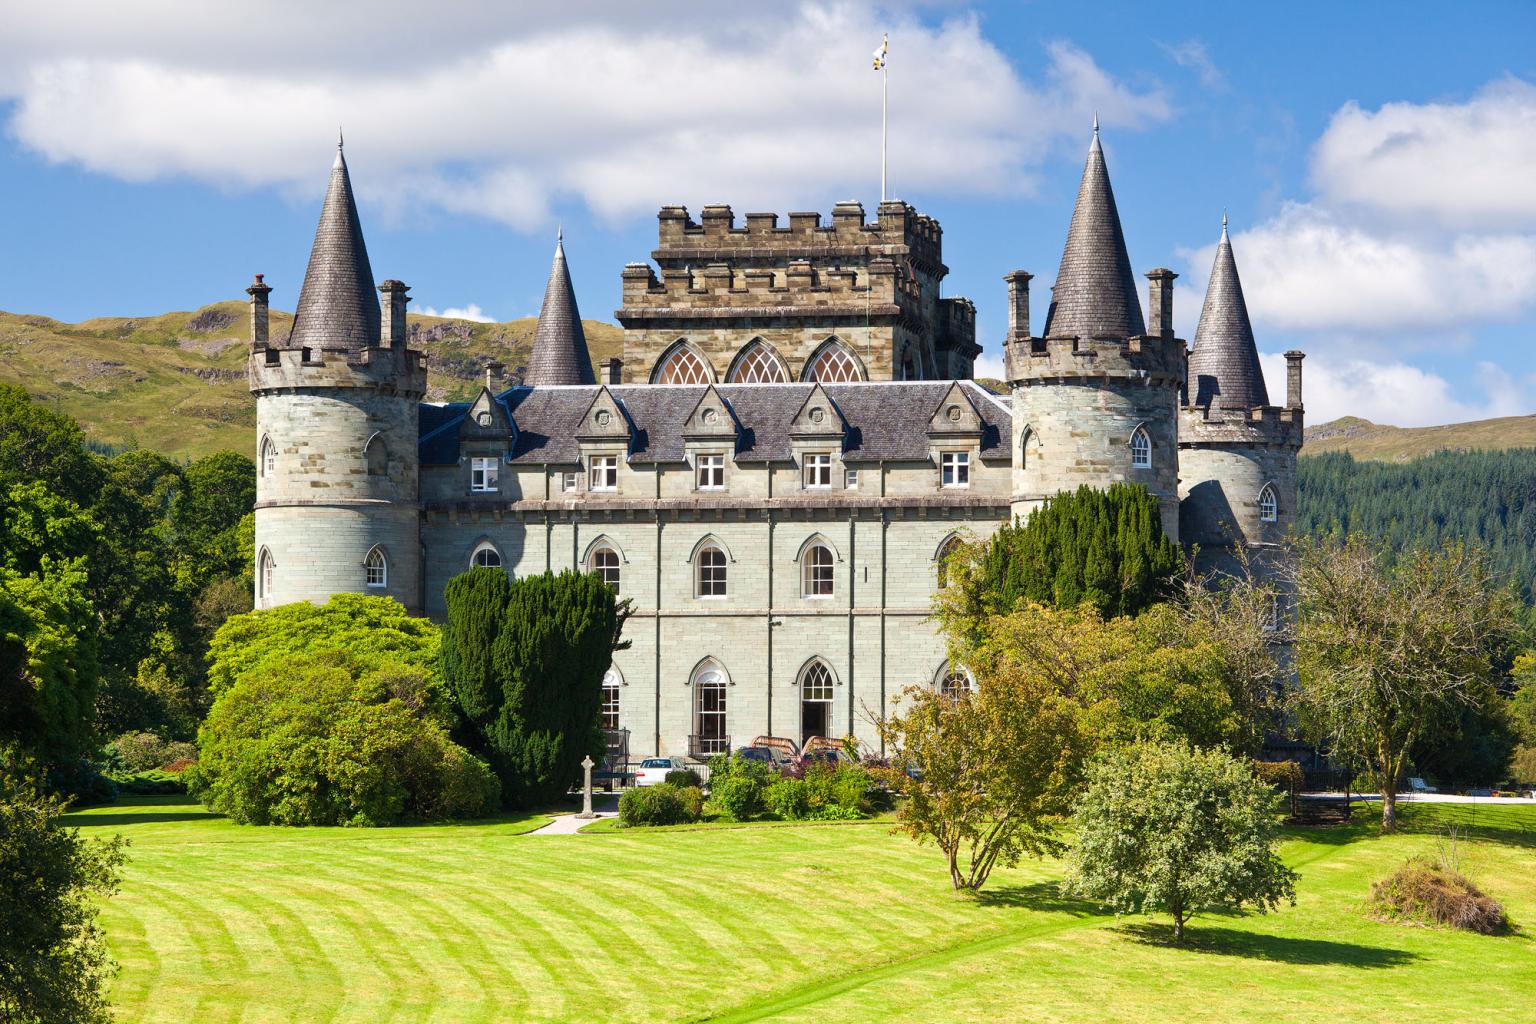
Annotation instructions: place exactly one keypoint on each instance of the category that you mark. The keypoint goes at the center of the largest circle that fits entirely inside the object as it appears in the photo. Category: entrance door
(712, 737)
(813, 719)
(815, 702)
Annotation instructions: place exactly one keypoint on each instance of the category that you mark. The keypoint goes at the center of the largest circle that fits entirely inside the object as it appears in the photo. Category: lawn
(220, 923)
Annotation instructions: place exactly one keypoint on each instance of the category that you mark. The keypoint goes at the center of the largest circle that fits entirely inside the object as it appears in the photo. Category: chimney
(1018, 303)
(392, 310)
(1160, 302)
(1293, 360)
(613, 371)
(258, 292)
(495, 373)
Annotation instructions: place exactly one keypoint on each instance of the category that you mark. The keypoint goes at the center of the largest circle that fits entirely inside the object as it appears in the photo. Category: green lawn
(218, 923)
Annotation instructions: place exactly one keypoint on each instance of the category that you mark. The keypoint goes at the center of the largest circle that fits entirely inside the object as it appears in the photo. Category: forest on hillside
(1487, 498)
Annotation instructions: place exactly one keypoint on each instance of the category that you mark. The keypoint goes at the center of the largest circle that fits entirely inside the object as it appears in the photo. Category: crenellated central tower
(1095, 396)
(337, 414)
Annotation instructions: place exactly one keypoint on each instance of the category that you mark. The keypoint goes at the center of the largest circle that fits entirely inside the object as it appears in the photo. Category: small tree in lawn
(1166, 827)
(987, 774)
(1390, 653)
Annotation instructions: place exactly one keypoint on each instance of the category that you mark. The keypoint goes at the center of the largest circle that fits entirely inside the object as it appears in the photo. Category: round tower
(337, 427)
(1237, 451)
(1095, 396)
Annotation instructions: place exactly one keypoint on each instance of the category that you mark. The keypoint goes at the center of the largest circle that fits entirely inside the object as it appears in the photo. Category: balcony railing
(708, 746)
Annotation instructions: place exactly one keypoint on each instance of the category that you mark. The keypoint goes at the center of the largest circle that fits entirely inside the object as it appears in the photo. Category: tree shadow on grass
(1509, 824)
(1043, 896)
(1280, 949)
(140, 817)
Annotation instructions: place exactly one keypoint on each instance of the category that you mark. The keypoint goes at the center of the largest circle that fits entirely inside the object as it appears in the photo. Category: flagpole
(884, 92)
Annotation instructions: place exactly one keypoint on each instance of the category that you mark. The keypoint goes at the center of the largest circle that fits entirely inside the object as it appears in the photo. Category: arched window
(954, 682)
(1141, 449)
(682, 365)
(485, 557)
(1269, 505)
(816, 571)
(833, 364)
(264, 574)
(376, 454)
(610, 706)
(816, 685)
(709, 689)
(709, 572)
(1029, 446)
(756, 364)
(950, 545)
(268, 461)
(376, 568)
(605, 562)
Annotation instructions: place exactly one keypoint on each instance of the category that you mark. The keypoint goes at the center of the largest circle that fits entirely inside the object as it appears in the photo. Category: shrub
(787, 799)
(737, 796)
(683, 778)
(660, 805)
(332, 740)
(834, 812)
(1422, 892)
(144, 751)
(734, 766)
(843, 785)
(154, 782)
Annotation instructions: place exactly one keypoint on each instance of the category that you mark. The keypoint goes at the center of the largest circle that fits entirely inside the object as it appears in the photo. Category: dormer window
(955, 469)
(603, 473)
(1141, 449)
(482, 474)
(816, 471)
(709, 472)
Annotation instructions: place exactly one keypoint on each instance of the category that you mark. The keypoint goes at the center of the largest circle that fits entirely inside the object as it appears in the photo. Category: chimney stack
(613, 371)
(392, 310)
(1293, 360)
(1160, 302)
(1018, 303)
(495, 373)
(258, 291)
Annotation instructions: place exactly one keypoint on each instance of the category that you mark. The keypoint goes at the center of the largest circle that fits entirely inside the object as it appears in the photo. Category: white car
(653, 770)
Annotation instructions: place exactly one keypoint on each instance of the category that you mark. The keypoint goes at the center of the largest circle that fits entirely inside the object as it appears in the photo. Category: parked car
(653, 770)
(825, 755)
(771, 756)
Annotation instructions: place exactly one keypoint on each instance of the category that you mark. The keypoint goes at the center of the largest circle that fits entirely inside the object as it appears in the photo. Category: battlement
(957, 325)
(898, 230)
(393, 370)
(1266, 425)
(799, 285)
(1153, 359)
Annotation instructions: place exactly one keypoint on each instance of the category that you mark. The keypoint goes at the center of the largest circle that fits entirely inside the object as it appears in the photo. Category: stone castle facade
(776, 466)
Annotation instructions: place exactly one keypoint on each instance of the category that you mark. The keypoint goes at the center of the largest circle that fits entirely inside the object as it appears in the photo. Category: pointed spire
(338, 305)
(559, 353)
(1224, 365)
(1095, 295)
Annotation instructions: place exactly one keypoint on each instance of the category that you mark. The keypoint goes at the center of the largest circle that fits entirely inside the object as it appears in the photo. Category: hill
(1366, 440)
(176, 382)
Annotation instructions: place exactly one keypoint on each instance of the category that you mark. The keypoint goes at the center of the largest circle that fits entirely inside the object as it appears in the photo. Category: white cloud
(1462, 165)
(501, 116)
(470, 312)
(1192, 54)
(990, 365)
(1395, 392)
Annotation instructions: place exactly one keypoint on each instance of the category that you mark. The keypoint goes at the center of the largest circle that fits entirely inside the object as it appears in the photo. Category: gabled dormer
(711, 419)
(818, 419)
(604, 422)
(955, 418)
(487, 421)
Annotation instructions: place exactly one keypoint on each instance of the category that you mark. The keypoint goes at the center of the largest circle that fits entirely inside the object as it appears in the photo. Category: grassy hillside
(176, 382)
(1366, 440)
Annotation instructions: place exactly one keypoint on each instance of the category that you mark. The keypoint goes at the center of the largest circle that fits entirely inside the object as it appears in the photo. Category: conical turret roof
(338, 305)
(1224, 365)
(1095, 294)
(559, 353)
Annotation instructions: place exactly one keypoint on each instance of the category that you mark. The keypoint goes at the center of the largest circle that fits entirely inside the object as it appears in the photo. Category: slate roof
(338, 305)
(886, 420)
(1095, 294)
(559, 353)
(1224, 364)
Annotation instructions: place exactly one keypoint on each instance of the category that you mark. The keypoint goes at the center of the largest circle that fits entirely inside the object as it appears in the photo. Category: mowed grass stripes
(220, 923)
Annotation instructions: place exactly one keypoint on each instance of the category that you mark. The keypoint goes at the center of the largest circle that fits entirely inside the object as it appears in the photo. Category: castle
(775, 468)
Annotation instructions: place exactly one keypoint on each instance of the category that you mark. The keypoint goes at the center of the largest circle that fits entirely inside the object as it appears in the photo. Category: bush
(787, 799)
(144, 751)
(332, 740)
(660, 805)
(683, 778)
(845, 785)
(1422, 892)
(734, 766)
(737, 796)
(155, 782)
(834, 812)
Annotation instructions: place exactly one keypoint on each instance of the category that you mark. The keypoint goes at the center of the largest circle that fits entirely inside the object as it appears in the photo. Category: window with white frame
(816, 471)
(955, 469)
(1141, 449)
(605, 562)
(850, 478)
(570, 480)
(710, 573)
(268, 457)
(376, 569)
(266, 573)
(954, 682)
(482, 474)
(709, 472)
(610, 709)
(485, 557)
(817, 574)
(1269, 505)
(603, 473)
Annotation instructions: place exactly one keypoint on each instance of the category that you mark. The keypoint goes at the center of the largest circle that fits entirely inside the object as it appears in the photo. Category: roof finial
(1223, 223)
(559, 234)
(340, 140)
(1095, 122)
(339, 161)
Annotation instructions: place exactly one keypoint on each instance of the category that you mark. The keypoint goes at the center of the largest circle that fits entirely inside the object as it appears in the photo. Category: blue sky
(1378, 160)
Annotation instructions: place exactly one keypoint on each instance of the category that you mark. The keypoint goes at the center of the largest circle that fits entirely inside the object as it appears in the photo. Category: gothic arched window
(756, 365)
(268, 460)
(682, 365)
(817, 573)
(949, 547)
(1269, 505)
(485, 557)
(605, 562)
(264, 574)
(954, 682)
(1141, 449)
(709, 688)
(833, 363)
(376, 568)
(709, 572)
(610, 708)
(377, 456)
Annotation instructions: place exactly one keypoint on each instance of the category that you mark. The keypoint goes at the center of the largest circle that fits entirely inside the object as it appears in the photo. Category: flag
(885, 47)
